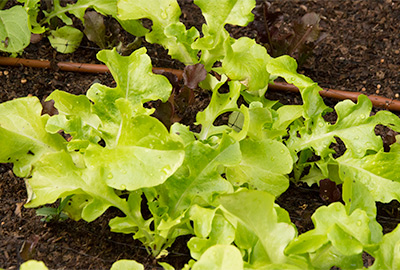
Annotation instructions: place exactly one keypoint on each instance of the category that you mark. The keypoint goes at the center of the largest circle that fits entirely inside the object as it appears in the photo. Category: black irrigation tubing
(377, 101)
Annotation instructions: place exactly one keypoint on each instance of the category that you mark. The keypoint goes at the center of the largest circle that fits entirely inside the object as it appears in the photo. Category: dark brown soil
(361, 53)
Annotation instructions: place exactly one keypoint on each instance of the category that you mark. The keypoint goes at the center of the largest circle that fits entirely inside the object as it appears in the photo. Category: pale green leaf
(167, 30)
(126, 264)
(286, 67)
(354, 127)
(246, 62)
(15, 31)
(264, 165)
(75, 118)
(135, 83)
(222, 233)
(199, 176)
(105, 7)
(23, 138)
(388, 254)
(33, 265)
(202, 220)
(32, 7)
(69, 180)
(255, 210)
(379, 173)
(220, 257)
(338, 238)
(140, 158)
(219, 104)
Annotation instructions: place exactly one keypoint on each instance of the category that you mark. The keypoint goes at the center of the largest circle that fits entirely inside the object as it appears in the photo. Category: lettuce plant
(219, 184)
(19, 22)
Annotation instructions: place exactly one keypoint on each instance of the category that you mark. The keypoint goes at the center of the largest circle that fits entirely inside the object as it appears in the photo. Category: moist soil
(361, 52)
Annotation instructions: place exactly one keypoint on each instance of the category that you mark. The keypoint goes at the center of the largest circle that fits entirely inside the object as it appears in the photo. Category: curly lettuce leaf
(75, 118)
(32, 8)
(256, 211)
(337, 240)
(199, 177)
(246, 62)
(105, 7)
(354, 127)
(286, 67)
(220, 257)
(265, 165)
(219, 104)
(135, 83)
(167, 30)
(23, 137)
(216, 41)
(56, 176)
(379, 173)
(222, 233)
(145, 154)
(388, 256)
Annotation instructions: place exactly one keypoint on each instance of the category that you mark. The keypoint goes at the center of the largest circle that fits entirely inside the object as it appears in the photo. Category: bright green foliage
(14, 29)
(219, 184)
(17, 23)
(167, 29)
(33, 265)
(32, 8)
(388, 254)
(126, 264)
(23, 138)
(220, 257)
(245, 61)
(337, 240)
(264, 169)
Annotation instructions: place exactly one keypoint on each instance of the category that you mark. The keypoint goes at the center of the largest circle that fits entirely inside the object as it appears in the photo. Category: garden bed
(360, 53)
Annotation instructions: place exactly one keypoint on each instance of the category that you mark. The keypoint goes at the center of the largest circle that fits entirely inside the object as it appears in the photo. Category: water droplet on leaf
(123, 187)
(110, 175)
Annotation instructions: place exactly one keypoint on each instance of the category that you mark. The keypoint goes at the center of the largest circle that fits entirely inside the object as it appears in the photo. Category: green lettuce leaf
(220, 257)
(105, 7)
(199, 177)
(167, 30)
(337, 240)
(15, 31)
(286, 67)
(219, 104)
(75, 118)
(256, 211)
(145, 154)
(246, 62)
(379, 173)
(32, 8)
(135, 83)
(354, 127)
(127, 264)
(265, 165)
(222, 233)
(388, 256)
(23, 137)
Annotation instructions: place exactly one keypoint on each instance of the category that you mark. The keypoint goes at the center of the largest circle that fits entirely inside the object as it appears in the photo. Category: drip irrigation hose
(377, 101)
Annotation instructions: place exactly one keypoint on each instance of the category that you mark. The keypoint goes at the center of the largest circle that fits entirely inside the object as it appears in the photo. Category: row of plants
(218, 184)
